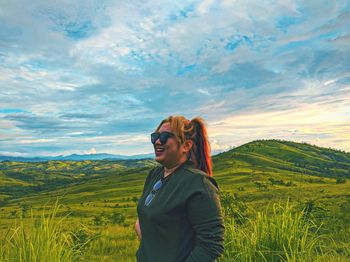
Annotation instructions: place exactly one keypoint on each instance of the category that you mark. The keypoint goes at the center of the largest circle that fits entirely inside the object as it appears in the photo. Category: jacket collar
(186, 164)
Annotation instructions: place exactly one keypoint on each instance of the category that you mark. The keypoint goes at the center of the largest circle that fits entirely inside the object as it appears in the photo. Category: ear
(187, 145)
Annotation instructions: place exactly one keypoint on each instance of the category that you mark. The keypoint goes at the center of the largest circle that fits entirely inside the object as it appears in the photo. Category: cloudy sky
(99, 76)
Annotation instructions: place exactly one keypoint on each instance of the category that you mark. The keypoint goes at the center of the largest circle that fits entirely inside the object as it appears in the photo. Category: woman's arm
(205, 215)
(138, 229)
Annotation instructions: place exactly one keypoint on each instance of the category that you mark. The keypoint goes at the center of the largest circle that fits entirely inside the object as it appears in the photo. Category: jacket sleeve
(205, 215)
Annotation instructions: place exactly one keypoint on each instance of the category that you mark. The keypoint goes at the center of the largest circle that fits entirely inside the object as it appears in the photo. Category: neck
(169, 170)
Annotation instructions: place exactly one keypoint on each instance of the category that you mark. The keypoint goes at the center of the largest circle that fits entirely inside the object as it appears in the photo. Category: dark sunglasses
(163, 137)
(155, 189)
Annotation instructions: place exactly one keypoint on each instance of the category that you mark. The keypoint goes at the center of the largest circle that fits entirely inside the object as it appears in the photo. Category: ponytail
(200, 152)
(197, 132)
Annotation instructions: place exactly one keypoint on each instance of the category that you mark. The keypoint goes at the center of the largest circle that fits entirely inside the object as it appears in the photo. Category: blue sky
(98, 76)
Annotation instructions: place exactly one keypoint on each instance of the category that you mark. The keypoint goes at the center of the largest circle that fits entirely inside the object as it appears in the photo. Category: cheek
(172, 148)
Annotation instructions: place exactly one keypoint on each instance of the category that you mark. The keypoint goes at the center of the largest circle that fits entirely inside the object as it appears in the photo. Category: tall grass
(280, 235)
(44, 239)
(115, 244)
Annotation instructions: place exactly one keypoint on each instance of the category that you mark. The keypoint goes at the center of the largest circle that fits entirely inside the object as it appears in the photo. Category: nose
(157, 142)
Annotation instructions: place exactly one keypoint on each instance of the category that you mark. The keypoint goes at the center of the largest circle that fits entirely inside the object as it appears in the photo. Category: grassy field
(296, 193)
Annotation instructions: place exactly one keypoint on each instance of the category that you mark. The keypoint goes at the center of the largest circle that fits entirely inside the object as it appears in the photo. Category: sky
(99, 76)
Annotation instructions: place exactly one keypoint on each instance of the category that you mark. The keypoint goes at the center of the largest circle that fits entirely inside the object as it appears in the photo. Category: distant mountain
(77, 157)
(263, 161)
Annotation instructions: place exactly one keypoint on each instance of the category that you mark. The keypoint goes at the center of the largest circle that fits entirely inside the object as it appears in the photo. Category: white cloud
(34, 141)
(15, 154)
(90, 151)
(204, 6)
(323, 121)
(215, 146)
(118, 62)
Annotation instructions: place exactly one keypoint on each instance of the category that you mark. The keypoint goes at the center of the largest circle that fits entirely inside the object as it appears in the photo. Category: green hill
(251, 176)
(279, 155)
(274, 162)
(252, 170)
(22, 178)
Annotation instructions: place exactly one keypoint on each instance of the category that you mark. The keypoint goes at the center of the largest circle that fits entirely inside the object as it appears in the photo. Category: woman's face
(172, 154)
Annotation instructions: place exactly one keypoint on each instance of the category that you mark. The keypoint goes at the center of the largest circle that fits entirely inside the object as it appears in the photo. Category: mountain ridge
(76, 157)
(107, 156)
(257, 163)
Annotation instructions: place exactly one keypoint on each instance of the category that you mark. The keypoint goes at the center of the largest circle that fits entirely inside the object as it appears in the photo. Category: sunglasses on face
(163, 137)
(151, 195)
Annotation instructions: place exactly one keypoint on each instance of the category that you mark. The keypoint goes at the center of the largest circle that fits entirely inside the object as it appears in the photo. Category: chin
(159, 160)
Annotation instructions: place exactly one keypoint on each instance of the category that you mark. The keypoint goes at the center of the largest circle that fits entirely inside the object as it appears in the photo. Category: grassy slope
(308, 168)
(249, 171)
(312, 171)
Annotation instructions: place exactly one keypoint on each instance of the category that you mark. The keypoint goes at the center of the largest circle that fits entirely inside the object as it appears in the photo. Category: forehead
(165, 127)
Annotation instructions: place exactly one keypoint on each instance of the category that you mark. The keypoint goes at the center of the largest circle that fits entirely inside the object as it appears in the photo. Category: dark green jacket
(184, 221)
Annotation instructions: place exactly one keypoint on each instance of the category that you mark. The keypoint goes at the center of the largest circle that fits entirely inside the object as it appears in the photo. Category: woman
(179, 212)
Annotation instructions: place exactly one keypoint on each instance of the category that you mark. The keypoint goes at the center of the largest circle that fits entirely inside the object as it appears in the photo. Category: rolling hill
(260, 162)
(250, 177)
(279, 155)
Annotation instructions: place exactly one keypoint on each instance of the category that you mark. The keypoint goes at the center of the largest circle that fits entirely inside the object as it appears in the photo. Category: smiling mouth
(159, 150)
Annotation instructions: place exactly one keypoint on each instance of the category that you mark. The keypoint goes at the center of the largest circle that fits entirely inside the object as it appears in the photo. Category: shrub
(100, 220)
(233, 208)
(117, 218)
(340, 180)
(82, 236)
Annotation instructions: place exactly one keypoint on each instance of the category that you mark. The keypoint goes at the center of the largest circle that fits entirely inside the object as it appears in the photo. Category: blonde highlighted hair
(195, 130)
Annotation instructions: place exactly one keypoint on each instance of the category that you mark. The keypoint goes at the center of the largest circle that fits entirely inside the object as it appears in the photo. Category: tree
(340, 180)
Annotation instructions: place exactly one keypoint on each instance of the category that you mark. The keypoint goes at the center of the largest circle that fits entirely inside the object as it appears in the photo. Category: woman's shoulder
(199, 177)
(193, 173)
